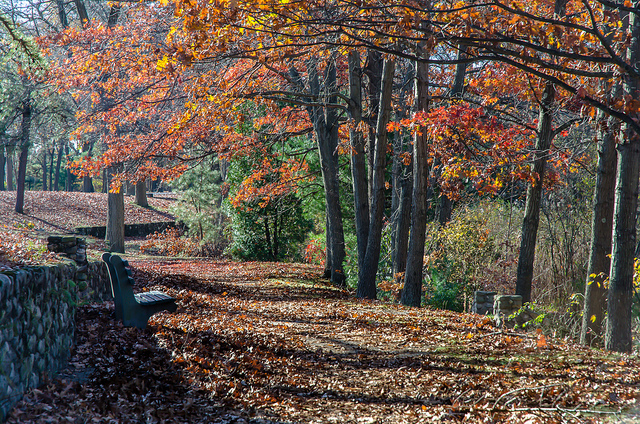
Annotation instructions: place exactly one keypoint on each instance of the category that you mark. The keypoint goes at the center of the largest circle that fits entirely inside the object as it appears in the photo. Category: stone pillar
(504, 306)
(483, 302)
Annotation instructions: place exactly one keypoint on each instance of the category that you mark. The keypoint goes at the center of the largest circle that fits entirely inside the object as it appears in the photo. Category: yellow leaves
(593, 318)
(162, 63)
(363, 127)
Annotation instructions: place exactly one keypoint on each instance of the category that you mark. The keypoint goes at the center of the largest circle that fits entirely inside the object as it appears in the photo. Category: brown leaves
(63, 211)
(277, 342)
(21, 235)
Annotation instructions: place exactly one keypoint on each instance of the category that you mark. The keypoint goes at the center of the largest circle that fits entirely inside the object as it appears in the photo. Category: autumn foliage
(482, 99)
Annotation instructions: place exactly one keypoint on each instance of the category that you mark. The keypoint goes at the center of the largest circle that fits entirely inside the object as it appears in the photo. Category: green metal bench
(134, 310)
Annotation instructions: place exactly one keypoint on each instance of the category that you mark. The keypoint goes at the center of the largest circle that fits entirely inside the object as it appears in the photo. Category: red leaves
(472, 146)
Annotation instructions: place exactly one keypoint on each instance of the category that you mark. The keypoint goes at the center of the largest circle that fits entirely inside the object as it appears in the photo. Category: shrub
(458, 255)
(273, 232)
(442, 291)
(200, 206)
(315, 249)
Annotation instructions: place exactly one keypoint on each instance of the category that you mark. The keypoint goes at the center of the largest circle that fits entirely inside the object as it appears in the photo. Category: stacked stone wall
(131, 230)
(37, 322)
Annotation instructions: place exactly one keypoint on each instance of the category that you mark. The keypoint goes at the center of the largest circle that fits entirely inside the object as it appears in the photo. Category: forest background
(421, 150)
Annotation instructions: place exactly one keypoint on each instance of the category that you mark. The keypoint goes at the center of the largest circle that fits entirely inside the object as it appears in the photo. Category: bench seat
(134, 310)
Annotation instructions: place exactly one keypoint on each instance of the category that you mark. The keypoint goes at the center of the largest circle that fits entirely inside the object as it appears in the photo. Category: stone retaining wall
(130, 230)
(37, 322)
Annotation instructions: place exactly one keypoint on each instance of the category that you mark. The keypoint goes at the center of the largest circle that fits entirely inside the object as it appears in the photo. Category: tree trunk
(325, 124)
(3, 174)
(328, 254)
(56, 182)
(358, 157)
(402, 190)
(267, 235)
(82, 12)
(618, 335)
(535, 190)
(457, 90)
(402, 227)
(52, 155)
(595, 297)
(105, 181)
(373, 71)
(114, 15)
(68, 180)
(10, 150)
(367, 273)
(445, 209)
(115, 221)
(276, 234)
(62, 14)
(534, 196)
(87, 182)
(45, 172)
(412, 291)
(141, 194)
(24, 153)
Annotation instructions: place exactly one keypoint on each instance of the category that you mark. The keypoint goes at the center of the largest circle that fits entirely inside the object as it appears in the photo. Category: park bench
(134, 310)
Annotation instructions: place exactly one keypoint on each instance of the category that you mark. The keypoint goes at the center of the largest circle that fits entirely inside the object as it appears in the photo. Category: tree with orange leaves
(266, 51)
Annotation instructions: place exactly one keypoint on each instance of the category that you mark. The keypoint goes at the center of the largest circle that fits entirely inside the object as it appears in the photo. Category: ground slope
(59, 211)
(273, 343)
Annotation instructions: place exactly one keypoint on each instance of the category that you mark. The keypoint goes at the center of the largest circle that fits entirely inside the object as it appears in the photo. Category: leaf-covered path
(272, 343)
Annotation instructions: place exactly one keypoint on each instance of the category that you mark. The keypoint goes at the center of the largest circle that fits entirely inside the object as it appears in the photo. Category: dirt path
(273, 343)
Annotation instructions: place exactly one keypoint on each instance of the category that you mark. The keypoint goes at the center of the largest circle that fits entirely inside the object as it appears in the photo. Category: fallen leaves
(22, 235)
(277, 343)
(59, 211)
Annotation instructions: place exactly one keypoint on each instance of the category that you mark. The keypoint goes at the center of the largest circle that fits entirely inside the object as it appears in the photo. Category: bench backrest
(115, 287)
(122, 283)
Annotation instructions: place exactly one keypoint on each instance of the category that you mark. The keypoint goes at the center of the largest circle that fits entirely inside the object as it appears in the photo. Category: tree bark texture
(358, 157)
(402, 189)
(62, 14)
(141, 194)
(82, 12)
(373, 71)
(325, 123)
(56, 181)
(618, 335)
(412, 291)
(535, 190)
(25, 129)
(367, 273)
(87, 184)
(68, 180)
(620, 296)
(10, 171)
(87, 181)
(328, 266)
(595, 297)
(3, 161)
(52, 156)
(44, 170)
(115, 220)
